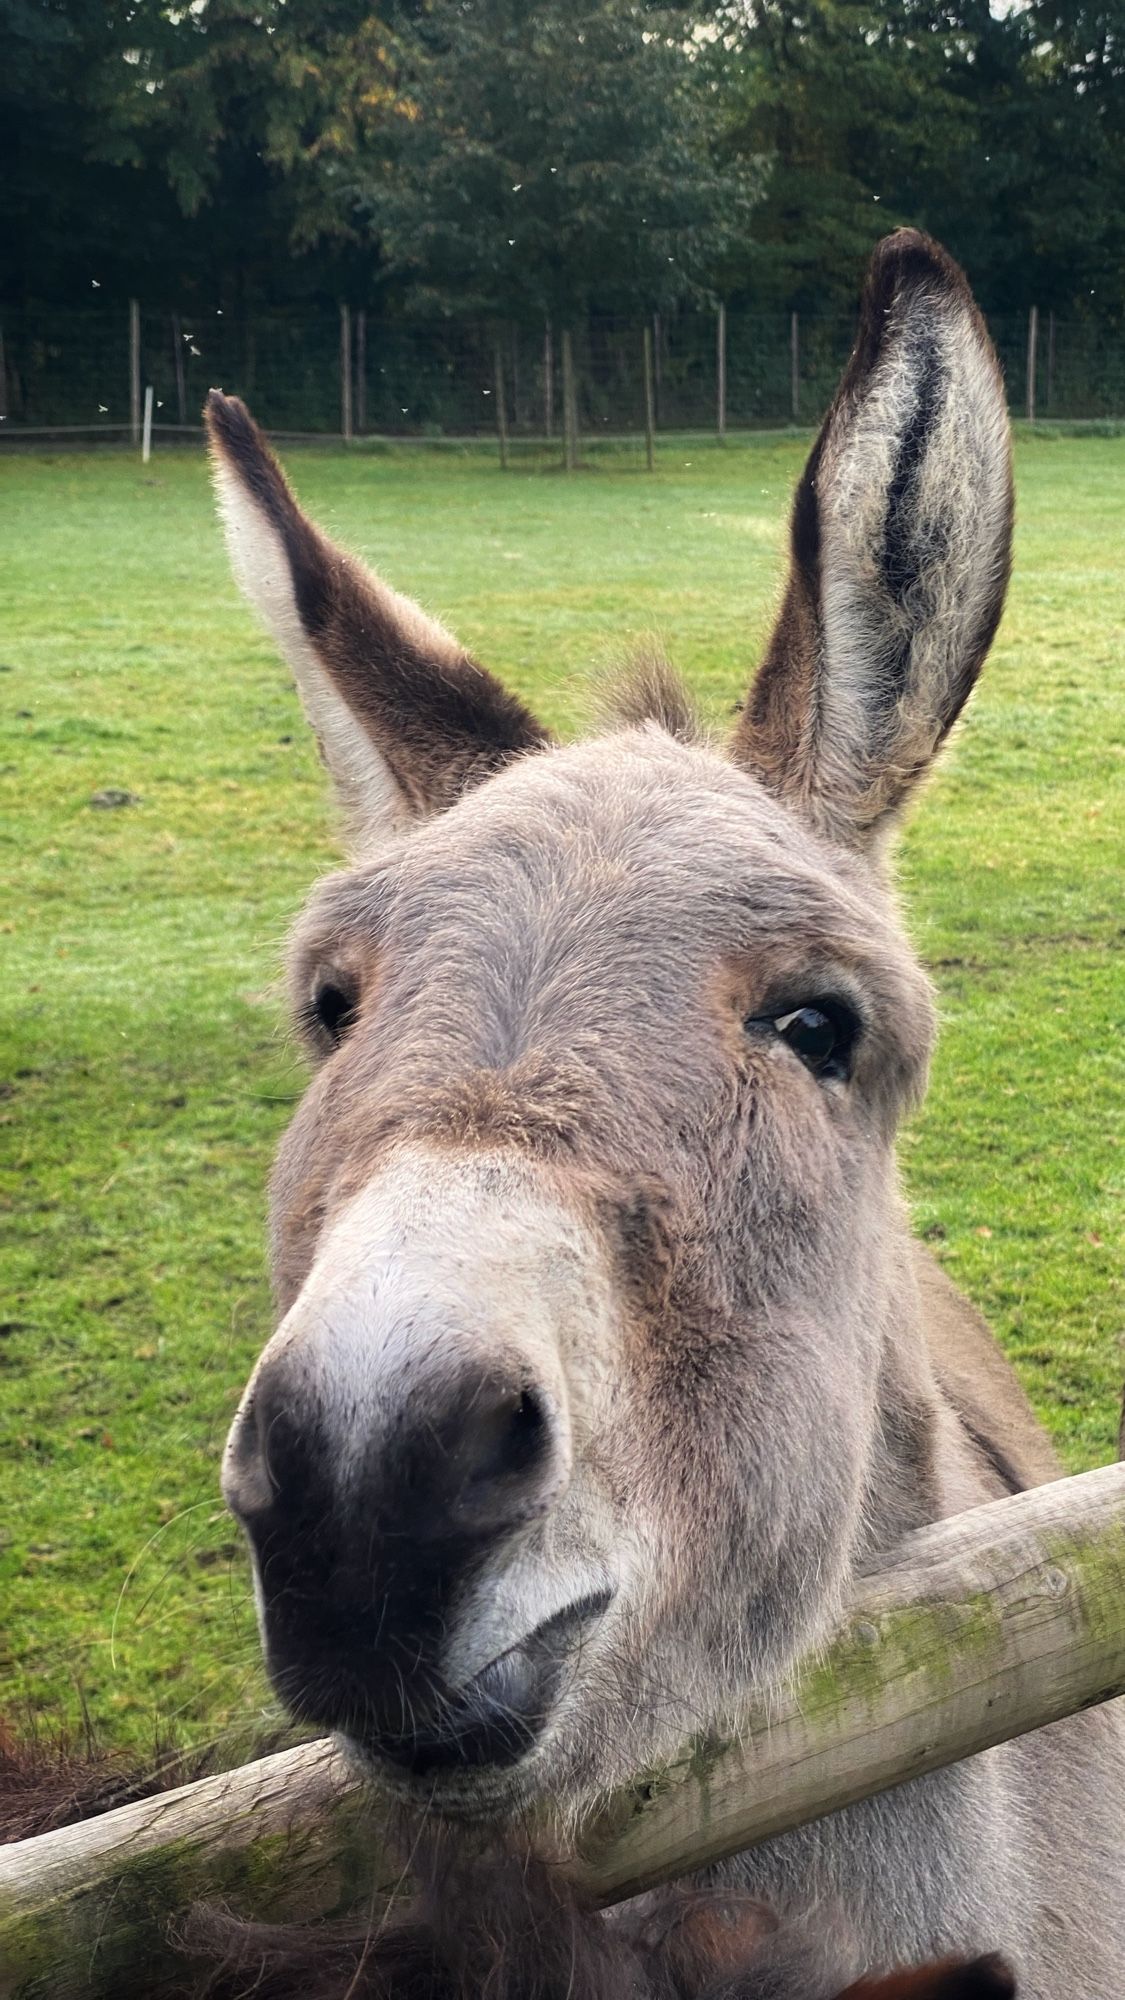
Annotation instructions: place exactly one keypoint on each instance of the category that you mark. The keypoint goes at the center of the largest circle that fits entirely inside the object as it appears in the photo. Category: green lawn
(146, 1065)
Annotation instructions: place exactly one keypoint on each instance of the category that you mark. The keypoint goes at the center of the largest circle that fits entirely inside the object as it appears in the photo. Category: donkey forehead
(633, 842)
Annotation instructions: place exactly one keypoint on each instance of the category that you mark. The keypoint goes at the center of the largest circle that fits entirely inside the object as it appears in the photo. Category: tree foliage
(541, 160)
(998, 131)
(549, 159)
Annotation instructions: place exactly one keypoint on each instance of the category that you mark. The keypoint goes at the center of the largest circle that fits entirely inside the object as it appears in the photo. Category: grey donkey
(604, 1358)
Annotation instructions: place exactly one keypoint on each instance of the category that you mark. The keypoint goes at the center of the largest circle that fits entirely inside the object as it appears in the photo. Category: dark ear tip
(907, 242)
(909, 259)
(228, 421)
(989, 1978)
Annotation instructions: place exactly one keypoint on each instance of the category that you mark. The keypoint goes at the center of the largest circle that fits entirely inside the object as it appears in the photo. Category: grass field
(146, 1065)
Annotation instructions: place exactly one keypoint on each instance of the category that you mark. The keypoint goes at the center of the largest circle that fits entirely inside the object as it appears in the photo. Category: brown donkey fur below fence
(605, 1361)
(512, 1933)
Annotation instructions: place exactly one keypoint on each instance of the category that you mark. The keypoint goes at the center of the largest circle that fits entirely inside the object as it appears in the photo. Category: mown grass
(147, 1069)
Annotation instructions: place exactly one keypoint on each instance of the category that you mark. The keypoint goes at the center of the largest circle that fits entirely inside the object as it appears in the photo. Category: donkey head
(595, 1364)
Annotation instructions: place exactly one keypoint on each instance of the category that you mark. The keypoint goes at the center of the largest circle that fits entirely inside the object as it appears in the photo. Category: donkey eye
(333, 1011)
(823, 1035)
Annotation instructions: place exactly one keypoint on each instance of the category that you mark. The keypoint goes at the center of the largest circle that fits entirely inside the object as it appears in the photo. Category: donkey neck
(923, 1868)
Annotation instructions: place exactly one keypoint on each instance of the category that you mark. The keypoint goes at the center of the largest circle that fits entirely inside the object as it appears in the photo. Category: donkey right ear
(406, 720)
(901, 534)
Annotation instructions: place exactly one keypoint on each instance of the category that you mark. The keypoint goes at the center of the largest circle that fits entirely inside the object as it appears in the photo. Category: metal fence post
(517, 386)
(794, 368)
(178, 365)
(1032, 347)
(135, 371)
(548, 384)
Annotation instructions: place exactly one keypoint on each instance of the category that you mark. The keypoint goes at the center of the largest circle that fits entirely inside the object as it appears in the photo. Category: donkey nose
(371, 1517)
(477, 1454)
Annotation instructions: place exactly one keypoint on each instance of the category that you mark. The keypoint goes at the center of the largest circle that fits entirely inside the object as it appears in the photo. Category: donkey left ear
(901, 540)
(406, 719)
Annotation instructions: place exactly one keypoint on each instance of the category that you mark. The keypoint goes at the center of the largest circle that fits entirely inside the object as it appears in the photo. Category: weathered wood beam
(984, 1627)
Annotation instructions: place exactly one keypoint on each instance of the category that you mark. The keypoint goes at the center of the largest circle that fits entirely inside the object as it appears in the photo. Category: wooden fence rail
(986, 1626)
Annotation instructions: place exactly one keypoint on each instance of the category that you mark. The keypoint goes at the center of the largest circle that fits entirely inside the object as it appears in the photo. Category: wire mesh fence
(350, 373)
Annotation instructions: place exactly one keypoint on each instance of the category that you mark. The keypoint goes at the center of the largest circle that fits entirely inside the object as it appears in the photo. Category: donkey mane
(646, 687)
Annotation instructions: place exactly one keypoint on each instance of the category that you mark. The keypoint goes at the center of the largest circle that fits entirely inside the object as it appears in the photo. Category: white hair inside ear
(900, 545)
(373, 803)
(407, 721)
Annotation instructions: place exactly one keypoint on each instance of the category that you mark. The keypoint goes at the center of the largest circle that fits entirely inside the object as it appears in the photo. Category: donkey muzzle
(404, 1439)
(366, 1549)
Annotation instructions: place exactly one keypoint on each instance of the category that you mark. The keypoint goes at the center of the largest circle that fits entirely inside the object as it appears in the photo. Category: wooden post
(650, 413)
(548, 384)
(146, 435)
(570, 403)
(721, 372)
(178, 364)
(134, 371)
(1050, 401)
(657, 362)
(794, 368)
(1032, 346)
(361, 372)
(982, 1627)
(501, 406)
(345, 373)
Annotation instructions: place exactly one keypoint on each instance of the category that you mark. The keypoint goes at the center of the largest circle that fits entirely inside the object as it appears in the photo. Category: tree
(549, 158)
(856, 109)
(247, 111)
(1076, 160)
(998, 131)
(539, 160)
(69, 224)
(193, 154)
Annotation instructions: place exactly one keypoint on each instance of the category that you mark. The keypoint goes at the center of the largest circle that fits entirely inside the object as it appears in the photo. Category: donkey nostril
(503, 1437)
(527, 1432)
(501, 1434)
(248, 1487)
(531, 1429)
(271, 1453)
